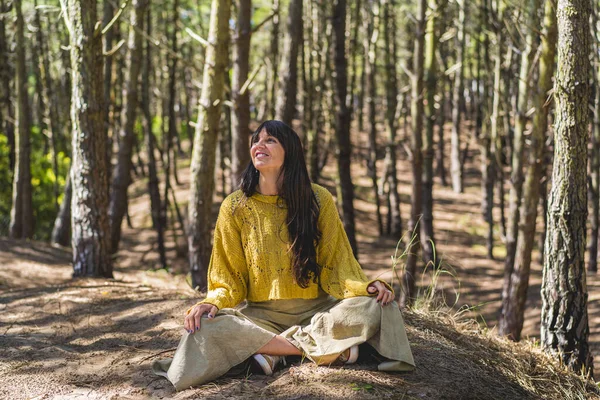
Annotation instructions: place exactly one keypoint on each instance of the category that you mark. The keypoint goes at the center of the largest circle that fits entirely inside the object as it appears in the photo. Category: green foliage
(361, 387)
(42, 184)
(157, 128)
(185, 131)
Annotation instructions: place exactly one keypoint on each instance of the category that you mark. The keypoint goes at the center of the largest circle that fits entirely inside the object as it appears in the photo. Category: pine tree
(564, 327)
(89, 168)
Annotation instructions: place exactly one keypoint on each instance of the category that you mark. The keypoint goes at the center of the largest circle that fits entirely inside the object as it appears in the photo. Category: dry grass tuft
(461, 360)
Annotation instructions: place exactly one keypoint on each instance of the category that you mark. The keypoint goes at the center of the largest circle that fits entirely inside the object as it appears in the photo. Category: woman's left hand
(384, 295)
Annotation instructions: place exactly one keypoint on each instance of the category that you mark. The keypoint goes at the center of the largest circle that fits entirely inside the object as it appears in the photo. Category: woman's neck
(269, 183)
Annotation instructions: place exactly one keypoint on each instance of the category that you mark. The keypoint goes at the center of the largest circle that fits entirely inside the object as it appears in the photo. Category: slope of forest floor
(67, 339)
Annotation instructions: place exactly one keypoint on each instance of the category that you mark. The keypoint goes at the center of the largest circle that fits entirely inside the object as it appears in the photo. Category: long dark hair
(297, 193)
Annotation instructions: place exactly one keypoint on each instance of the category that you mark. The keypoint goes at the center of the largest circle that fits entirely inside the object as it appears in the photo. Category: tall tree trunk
(89, 170)
(288, 84)
(274, 52)
(61, 232)
(315, 88)
(416, 111)
(495, 139)
(360, 103)
(21, 213)
(188, 92)
(108, 11)
(38, 106)
(65, 85)
(508, 321)
(6, 108)
(342, 121)
(354, 49)
(516, 178)
(389, 37)
(544, 205)
(240, 117)
(205, 143)
(594, 184)
(431, 42)
(326, 87)
(116, 106)
(159, 218)
(173, 132)
(440, 164)
(564, 326)
(456, 169)
(485, 141)
(513, 306)
(371, 70)
(107, 15)
(122, 173)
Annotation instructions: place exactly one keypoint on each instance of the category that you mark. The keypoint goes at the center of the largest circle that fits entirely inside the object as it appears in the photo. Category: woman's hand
(384, 295)
(192, 320)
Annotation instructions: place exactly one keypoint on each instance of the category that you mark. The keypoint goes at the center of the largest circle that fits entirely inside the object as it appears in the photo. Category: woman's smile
(267, 153)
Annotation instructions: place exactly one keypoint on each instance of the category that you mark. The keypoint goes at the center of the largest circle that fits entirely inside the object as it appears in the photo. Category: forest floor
(95, 338)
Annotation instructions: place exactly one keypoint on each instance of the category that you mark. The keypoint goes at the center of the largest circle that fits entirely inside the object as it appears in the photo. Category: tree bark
(431, 39)
(159, 218)
(440, 164)
(371, 71)
(485, 142)
(456, 169)
(274, 51)
(417, 110)
(122, 173)
(89, 170)
(38, 105)
(354, 50)
(513, 305)
(173, 132)
(495, 139)
(288, 84)
(594, 183)
(389, 29)
(119, 67)
(315, 88)
(205, 142)
(107, 15)
(342, 121)
(21, 213)
(564, 326)
(65, 86)
(6, 108)
(240, 117)
(61, 232)
(505, 326)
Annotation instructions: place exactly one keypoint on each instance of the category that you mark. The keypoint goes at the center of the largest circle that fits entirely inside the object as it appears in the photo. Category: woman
(279, 244)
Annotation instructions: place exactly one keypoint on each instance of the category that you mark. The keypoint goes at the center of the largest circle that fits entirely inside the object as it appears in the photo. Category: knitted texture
(252, 257)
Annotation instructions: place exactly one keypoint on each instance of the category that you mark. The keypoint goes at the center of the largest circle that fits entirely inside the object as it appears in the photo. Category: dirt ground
(95, 338)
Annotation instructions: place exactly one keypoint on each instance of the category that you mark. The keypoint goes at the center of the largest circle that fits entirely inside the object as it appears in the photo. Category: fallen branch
(156, 354)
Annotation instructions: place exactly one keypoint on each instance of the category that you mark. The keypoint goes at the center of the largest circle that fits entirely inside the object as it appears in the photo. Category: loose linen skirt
(322, 328)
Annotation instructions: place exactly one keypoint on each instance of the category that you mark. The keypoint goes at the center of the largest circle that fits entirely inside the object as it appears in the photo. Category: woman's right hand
(192, 320)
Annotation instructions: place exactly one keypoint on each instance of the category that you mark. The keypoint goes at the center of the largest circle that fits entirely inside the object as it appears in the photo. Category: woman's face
(267, 153)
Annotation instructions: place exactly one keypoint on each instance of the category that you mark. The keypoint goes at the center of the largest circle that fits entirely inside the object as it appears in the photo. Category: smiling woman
(280, 245)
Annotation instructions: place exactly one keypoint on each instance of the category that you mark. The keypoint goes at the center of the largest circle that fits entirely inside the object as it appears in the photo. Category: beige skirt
(322, 328)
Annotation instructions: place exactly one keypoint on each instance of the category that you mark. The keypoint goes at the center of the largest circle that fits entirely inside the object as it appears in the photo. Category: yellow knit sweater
(251, 256)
